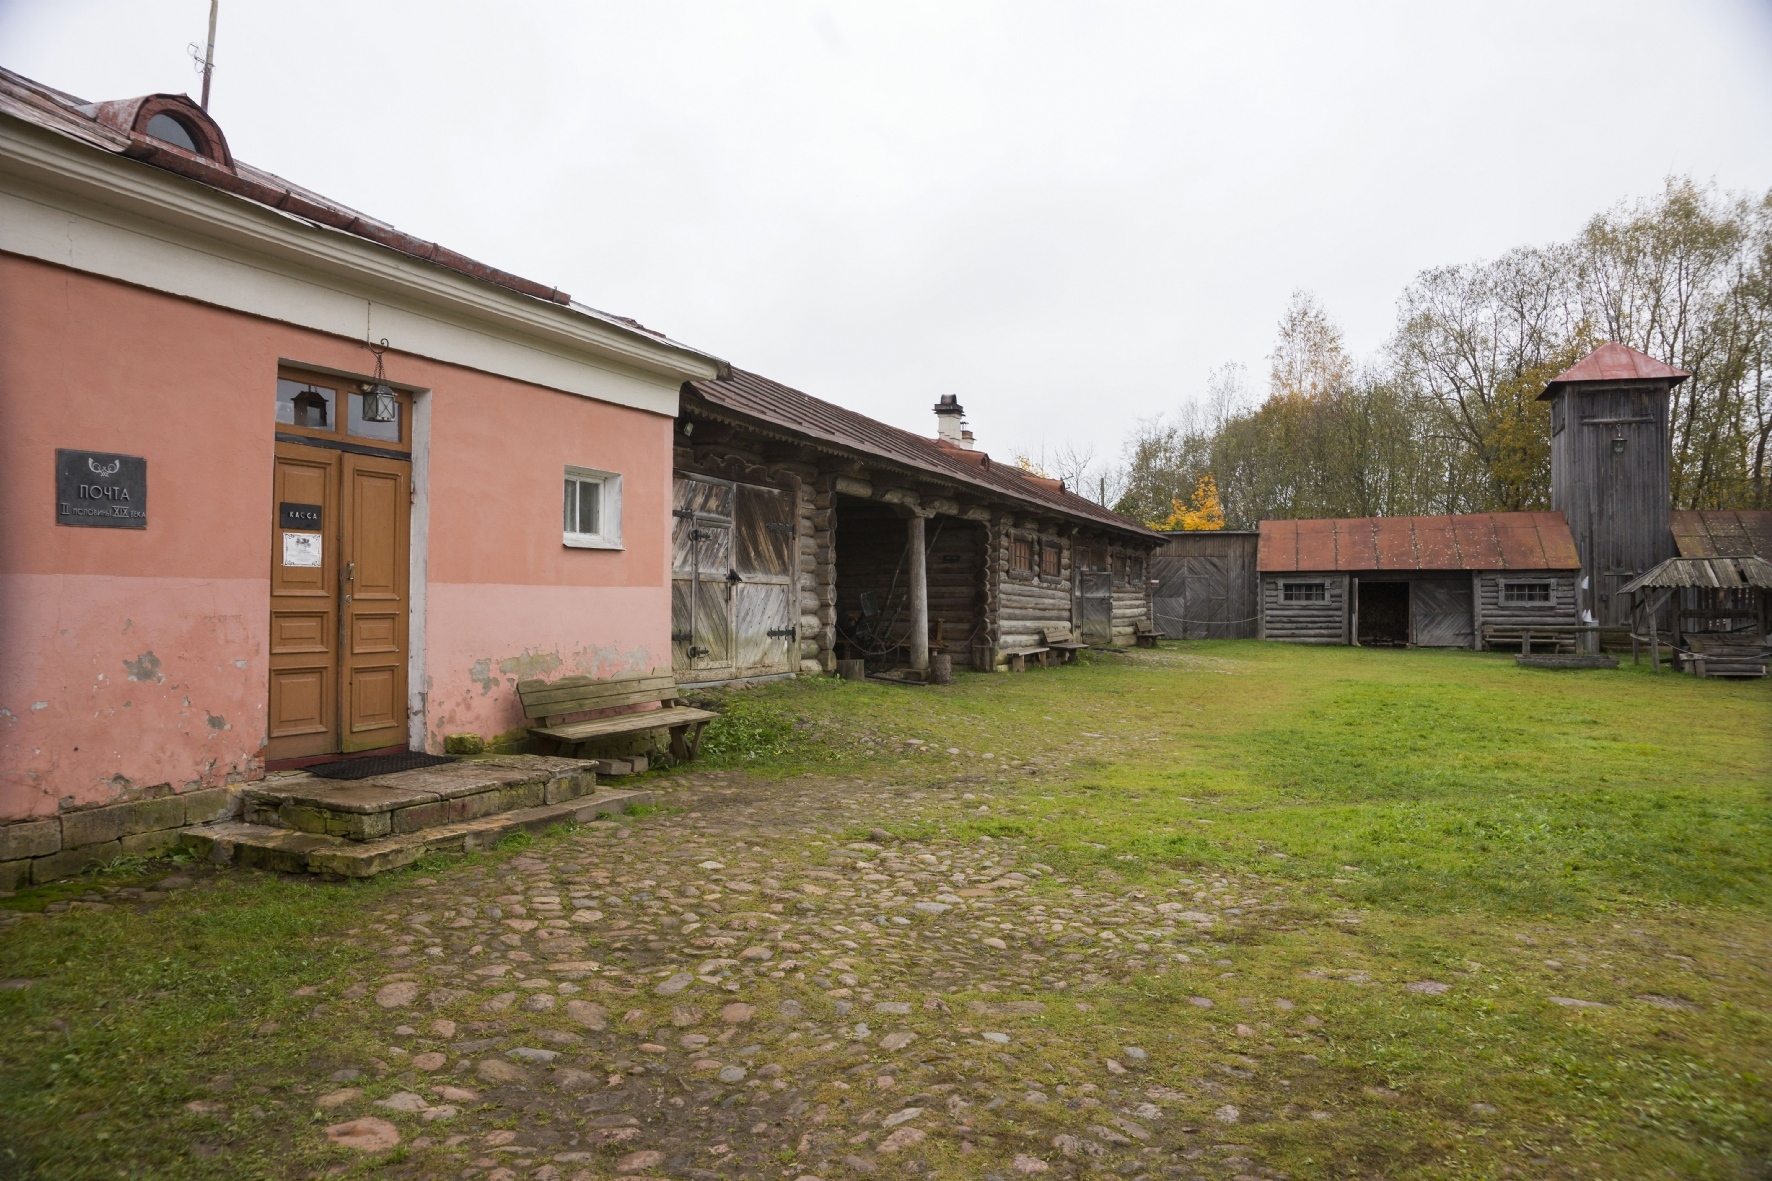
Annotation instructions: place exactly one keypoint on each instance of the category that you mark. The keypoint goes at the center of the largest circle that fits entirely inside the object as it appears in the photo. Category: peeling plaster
(481, 674)
(145, 667)
(529, 665)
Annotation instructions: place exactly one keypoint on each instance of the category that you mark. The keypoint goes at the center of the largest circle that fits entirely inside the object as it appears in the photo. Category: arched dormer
(169, 120)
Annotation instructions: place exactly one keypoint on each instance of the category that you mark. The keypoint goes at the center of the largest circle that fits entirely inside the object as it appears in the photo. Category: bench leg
(680, 743)
(1018, 664)
(695, 738)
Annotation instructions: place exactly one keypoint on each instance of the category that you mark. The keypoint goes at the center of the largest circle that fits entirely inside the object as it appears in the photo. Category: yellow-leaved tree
(1203, 513)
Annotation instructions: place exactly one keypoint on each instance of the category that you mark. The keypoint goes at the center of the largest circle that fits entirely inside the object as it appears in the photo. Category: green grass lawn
(1601, 836)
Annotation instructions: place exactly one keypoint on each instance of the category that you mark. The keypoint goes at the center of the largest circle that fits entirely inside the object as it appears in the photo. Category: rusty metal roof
(1722, 573)
(1614, 362)
(1722, 533)
(1477, 541)
(108, 127)
(795, 414)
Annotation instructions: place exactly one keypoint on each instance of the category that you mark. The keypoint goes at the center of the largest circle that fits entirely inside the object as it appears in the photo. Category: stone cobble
(738, 988)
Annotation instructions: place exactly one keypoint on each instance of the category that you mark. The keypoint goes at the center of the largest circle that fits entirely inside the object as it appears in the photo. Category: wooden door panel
(376, 702)
(374, 634)
(764, 527)
(303, 632)
(377, 521)
(301, 702)
(759, 609)
(302, 714)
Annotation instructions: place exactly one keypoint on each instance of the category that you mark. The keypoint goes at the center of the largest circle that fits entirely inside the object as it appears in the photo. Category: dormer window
(165, 128)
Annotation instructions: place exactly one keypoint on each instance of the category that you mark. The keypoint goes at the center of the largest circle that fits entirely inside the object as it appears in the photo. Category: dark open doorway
(1384, 614)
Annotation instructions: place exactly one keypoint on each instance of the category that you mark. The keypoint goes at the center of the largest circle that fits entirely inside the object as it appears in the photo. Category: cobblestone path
(738, 987)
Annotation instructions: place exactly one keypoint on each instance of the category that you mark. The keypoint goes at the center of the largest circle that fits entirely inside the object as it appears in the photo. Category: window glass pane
(590, 505)
(170, 130)
(301, 403)
(358, 425)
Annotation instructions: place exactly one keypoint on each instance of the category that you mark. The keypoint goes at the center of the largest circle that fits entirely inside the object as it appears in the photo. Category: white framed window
(1525, 592)
(592, 509)
(1304, 592)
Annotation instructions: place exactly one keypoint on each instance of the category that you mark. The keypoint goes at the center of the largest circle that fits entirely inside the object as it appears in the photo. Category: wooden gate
(1192, 597)
(732, 580)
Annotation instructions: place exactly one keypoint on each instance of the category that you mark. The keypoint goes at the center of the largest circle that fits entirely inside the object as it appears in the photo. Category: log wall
(1304, 623)
(1564, 609)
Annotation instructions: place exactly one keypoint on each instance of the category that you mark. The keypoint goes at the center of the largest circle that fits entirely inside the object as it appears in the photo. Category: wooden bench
(1145, 634)
(1018, 657)
(554, 701)
(1061, 641)
(1562, 638)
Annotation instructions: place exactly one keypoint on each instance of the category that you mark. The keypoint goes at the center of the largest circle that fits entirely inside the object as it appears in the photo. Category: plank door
(1440, 613)
(701, 563)
(377, 503)
(764, 619)
(303, 714)
(1095, 606)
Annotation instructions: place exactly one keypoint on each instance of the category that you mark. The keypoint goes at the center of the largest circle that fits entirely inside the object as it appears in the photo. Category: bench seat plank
(650, 719)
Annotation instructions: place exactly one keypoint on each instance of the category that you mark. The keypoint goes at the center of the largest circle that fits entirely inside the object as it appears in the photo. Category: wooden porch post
(919, 593)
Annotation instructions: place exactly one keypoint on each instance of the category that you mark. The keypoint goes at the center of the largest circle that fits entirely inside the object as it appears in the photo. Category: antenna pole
(209, 53)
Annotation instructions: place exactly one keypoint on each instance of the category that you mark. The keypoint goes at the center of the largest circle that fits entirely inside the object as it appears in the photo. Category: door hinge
(780, 527)
(682, 513)
(694, 651)
(784, 633)
(699, 535)
(682, 637)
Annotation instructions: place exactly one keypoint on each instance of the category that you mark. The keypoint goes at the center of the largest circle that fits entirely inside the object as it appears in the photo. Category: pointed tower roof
(1613, 362)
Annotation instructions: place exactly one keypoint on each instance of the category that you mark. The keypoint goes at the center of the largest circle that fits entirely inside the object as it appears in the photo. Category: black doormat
(410, 760)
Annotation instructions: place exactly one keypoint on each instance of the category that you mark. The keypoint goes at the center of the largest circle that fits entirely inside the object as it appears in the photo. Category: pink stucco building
(239, 529)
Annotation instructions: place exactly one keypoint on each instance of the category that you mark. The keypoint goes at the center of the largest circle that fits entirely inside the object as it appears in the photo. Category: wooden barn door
(701, 562)
(764, 619)
(1440, 613)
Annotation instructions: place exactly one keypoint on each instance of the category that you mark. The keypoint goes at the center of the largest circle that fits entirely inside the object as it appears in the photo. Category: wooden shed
(1204, 585)
(1432, 582)
(806, 533)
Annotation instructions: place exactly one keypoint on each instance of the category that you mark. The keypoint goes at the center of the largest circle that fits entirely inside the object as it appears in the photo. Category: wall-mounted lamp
(1618, 443)
(688, 428)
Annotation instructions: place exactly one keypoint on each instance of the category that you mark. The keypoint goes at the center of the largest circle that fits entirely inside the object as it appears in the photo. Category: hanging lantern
(380, 404)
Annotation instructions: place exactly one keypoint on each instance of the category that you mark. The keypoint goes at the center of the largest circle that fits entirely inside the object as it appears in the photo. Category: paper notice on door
(301, 549)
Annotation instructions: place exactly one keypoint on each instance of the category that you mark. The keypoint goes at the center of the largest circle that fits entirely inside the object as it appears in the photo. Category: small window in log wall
(1304, 592)
(1051, 557)
(1021, 556)
(1525, 592)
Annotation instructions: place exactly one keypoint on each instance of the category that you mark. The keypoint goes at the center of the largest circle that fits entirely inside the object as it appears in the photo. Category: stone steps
(405, 802)
(292, 850)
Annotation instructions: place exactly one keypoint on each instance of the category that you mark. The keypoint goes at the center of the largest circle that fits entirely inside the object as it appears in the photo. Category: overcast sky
(1067, 214)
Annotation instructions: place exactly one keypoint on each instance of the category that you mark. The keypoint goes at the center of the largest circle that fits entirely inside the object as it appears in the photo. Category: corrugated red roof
(1723, 533)
(1613, 361)
(1474, 541)
(780, 408)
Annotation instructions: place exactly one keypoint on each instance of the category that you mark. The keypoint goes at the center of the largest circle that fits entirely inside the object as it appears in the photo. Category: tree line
(1445, 419)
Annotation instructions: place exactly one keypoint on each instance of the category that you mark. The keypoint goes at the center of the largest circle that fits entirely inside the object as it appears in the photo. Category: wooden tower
(1609, 469)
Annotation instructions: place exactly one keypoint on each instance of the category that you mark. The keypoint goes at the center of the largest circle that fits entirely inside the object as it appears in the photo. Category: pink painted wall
(135, 658)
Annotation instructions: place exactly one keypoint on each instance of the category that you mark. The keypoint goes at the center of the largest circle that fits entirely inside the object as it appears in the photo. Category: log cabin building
(805, 533)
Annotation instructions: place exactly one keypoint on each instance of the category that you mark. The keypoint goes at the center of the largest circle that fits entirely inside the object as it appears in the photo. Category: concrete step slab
(260, 846)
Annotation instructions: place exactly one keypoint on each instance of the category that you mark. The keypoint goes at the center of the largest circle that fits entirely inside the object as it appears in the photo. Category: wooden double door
(339, 602)
(734, 612)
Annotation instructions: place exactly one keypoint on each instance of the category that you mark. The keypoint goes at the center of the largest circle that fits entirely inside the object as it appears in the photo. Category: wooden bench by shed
(555, 701)
(1062, 641)
(1145, 633)
(1018, 657)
